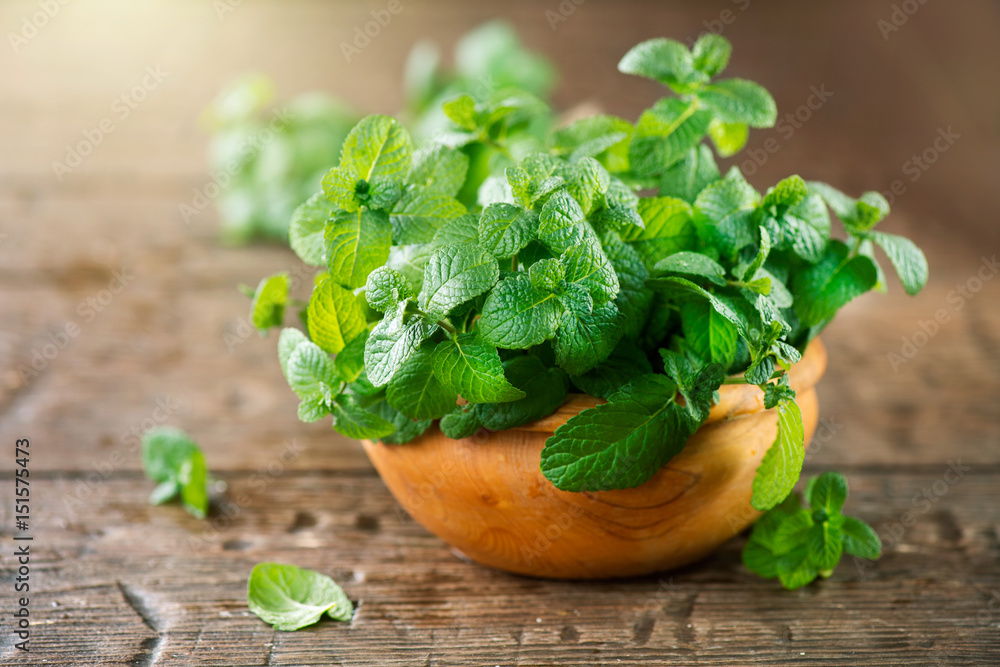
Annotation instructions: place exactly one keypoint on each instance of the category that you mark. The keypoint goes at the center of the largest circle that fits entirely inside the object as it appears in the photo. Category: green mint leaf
(723, 214)
(586, 339)
(763, 250)
(711, 53)
(781, 466)
(313, 408)
(353, 421)
(792, 532)
(827, 492)
(391, 343)
(268, 307)
(620, 444)
(506, 229)
(334, 316)
(473, 368)
(287, 342)
(588, 266)
(786, 194)
(418, 216)
(385, 288)
(534, 177)
(796, 568)
(759, 552)
(689, 176)
(867, 248)
(462, 112)
(516, 315)
(463, 229)
(588, 182)
(341, 187)
(777, 391)
(824, 288)
(826, 545)
(289, 597)
(664, 135)
(858, 215)
(602, 137)
(455, 274)
(663, 60)
(462, 423)
(723, 305)
(634, 300)
(439, 168)
(382, 195)
(350, 362)
(710, 335)
(560, 221)
(357, 243)
(378, 148)
(547, 274)
(696, 385)
(728, 138)
(667, 230)
(576, 299)
(416, 391)
(410, 261)
(860, 540)
(310, 372)
(694, 264)
(740, 101)
(406, 429)
(626, 363)
(175, 462)
(308, 225)
(544, 388)
(908, 260)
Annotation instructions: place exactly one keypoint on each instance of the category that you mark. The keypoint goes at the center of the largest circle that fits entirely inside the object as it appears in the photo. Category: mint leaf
(634, 300)
(439, 168)
(289, 598)
(547, 274)
(175, 462)
(506, 229)
(602, 137)
(781, 466)
(533, 177)
(588, 182)
(305, 232)
(287, 342)
(390, 343)
(908, 260)
(586, 339)
(587, 266)
(860, 540)
(463, 229)
(664, 60)
(377, 148)
(827, 492)
(544, 388)
(311, 373)
(343, 187)
(689, 176)
(357, 243)
(626, 363)
(406, 429)
(353, 421)
(723, 214)
(268, 307)
(516, 315)
(729, 138)
(560, 221)
(620, 444)
(826, 544)
(420, 214)
(385, 288)
(667, 230)
(349, 364)
(473, 369)
(416, 391)
(858, 215)
(455, 274)
(740, 101)
(665, 133)
(692, 264)
(710, 335)
(711, 53)
(334, 316)
(461, 423)
(462, 112)
(826, 287)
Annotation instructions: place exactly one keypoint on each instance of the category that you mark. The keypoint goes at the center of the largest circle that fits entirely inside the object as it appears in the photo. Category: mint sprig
(797, 543)
(175, 462)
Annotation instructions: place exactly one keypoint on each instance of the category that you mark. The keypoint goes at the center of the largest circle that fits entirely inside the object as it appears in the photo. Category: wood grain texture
(120, 583)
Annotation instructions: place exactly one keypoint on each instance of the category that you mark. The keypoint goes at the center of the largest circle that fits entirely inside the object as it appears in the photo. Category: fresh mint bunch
(797, 543)
(607, 258)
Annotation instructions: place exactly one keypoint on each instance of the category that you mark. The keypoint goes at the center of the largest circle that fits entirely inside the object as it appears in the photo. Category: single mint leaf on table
(357, 243)
(268, 307)
(455, 274)
(334, 316)
(860, 539)
(516, 315)
(416, 391)
(473, 369)
(307, 228)
(290, 598)
(173, 460)
(827, 492)
(782, 464)
(619, 444)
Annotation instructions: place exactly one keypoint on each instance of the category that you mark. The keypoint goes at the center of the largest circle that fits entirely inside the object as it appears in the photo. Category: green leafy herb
(172, 460)
(796, 543)
(290, 597)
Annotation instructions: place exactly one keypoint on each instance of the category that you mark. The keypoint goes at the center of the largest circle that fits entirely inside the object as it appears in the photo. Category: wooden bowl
(486, 495)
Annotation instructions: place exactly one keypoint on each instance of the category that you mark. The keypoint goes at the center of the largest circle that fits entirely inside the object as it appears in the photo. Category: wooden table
(159, 337)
